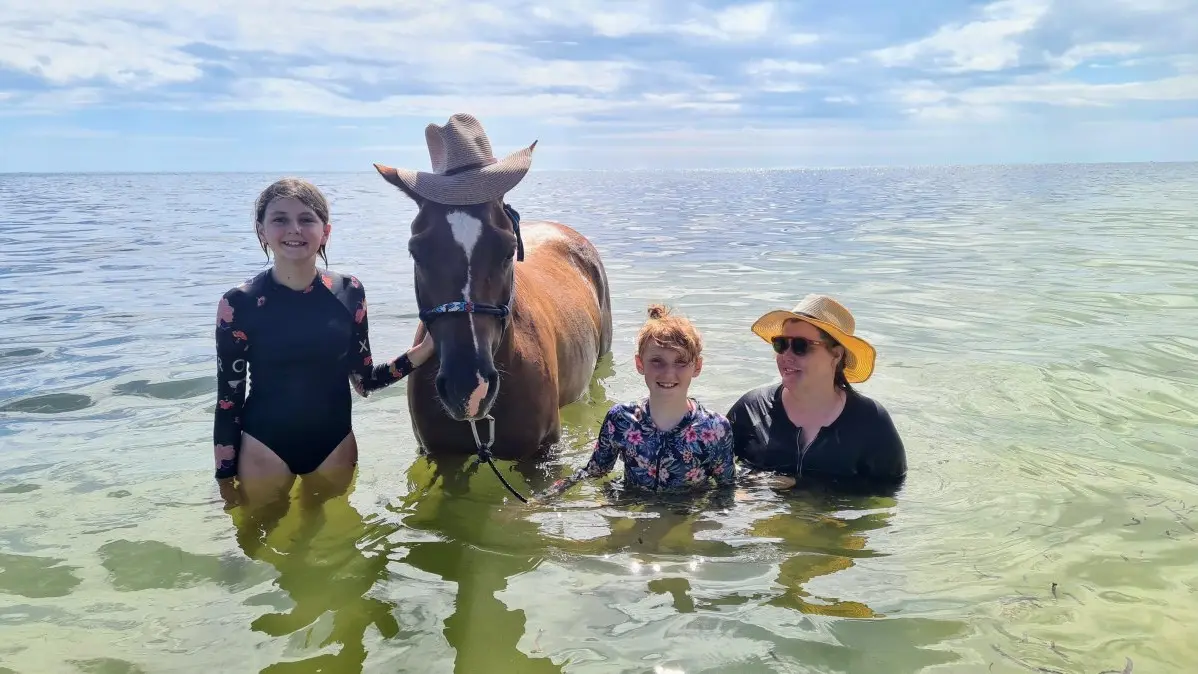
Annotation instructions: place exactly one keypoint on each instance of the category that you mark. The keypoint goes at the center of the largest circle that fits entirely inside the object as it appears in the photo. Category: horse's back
(558, 253)
(563, 283)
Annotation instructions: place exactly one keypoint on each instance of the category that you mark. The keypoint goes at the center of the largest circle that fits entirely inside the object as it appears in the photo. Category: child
(301, 334)
(668, 441)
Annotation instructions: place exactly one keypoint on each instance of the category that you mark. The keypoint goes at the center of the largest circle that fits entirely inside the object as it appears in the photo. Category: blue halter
(502, 311)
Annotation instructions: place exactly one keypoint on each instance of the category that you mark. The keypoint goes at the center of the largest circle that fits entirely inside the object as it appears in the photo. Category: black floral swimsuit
(302, 349)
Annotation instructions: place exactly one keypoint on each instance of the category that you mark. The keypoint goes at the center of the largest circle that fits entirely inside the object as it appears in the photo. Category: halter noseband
(502, 311)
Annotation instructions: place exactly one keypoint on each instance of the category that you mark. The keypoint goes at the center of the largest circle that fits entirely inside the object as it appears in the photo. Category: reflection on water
(325, 555)
(1035, 329)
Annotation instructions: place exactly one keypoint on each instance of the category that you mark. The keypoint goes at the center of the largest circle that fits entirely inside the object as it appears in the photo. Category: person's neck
(667, 411)
(294, 275)
(814, 401)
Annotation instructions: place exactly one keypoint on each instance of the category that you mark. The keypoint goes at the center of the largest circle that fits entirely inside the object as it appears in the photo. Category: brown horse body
(560, 326)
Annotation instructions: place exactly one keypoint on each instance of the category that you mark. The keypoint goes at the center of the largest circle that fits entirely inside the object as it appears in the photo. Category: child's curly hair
(669, 331)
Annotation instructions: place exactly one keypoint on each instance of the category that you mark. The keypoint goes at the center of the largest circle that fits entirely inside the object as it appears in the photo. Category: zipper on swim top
(669, 440)
(802, 451)
(657, 476)
(662, 439)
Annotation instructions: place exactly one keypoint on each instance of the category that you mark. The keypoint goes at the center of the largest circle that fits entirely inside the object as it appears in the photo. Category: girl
(668, 441)
(301, 333)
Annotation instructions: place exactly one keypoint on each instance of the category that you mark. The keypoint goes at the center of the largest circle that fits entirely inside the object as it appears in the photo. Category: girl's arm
(603, 459)
(722, 467)
(232, 368)
(365, 375)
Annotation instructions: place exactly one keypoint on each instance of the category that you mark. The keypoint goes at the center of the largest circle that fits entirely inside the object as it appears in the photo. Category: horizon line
(727, 169)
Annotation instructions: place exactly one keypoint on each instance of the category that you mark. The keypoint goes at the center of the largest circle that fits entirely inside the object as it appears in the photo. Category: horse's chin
(463, 413)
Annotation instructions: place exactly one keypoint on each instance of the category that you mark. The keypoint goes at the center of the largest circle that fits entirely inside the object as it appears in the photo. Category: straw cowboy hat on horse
(520, 311)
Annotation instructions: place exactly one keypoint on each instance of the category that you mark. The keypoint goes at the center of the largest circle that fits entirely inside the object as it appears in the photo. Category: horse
(520, 314)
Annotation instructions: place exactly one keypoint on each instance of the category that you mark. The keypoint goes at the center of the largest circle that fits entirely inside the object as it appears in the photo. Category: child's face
(667, 371)
(292, 231)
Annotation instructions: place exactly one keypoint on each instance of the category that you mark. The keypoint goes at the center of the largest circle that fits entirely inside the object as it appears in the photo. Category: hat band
(821, 320)
(468, 167)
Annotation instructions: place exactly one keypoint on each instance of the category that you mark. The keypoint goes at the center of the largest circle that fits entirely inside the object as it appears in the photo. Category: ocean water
(1037, 330)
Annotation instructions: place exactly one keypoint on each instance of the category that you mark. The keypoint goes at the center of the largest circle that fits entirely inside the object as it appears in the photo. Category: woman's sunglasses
(799, 346)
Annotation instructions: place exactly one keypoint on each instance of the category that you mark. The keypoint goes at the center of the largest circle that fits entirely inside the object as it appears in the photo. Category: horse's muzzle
(467, 393)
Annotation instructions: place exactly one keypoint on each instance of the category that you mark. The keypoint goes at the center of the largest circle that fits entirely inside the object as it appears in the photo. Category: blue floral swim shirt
(697, 449)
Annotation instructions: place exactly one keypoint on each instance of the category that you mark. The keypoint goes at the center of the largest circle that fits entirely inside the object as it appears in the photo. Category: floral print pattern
(685, 457)
(224, 312)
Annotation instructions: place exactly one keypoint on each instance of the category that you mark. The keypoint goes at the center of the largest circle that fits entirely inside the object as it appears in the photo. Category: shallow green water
(1036, 329)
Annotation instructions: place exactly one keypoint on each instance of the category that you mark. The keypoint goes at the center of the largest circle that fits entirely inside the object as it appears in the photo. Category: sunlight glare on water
(1036, 336)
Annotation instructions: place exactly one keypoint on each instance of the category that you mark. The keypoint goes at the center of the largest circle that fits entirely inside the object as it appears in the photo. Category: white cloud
(735, 23)
(959, 113)
(921, 93)
(64, 52)
(776, 66)
(801, 39)
(926, 101)
(1082, 53)
(1154, 6)
(622, 24)
(369, 54)
(1181, 88)
(780, 75)
(622, 19)
(51, 102)
(746, 21)
(985, 45)
(289, 95)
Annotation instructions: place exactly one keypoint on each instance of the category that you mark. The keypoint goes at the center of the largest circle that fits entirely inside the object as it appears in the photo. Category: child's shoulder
(343, 282)
(708, 417)
(245, 289)
(630, 408)
(347, 288)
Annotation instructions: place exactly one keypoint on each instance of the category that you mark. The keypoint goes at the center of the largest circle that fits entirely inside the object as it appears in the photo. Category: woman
(301, 335)
(813, 426)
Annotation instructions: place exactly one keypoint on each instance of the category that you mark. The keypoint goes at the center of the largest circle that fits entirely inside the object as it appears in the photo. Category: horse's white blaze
(466, 229)
(476, 398)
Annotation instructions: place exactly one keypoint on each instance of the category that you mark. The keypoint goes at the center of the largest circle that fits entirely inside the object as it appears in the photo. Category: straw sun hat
(833, 318)
(465, 171)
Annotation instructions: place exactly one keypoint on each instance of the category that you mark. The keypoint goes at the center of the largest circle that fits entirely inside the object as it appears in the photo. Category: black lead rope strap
(514, 215)
(484, 453)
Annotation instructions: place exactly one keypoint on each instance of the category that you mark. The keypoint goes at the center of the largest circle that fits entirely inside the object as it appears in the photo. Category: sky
(335, 85)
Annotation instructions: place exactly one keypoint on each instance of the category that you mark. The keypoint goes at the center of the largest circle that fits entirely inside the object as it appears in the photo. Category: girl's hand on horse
(424, 348)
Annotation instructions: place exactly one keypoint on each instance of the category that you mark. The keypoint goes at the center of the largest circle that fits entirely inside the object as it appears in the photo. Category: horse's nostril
(492, 378)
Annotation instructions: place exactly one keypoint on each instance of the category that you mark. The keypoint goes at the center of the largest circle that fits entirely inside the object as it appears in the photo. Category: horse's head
(464, 259)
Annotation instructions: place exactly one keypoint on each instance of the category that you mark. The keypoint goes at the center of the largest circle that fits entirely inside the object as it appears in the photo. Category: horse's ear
(389, 174)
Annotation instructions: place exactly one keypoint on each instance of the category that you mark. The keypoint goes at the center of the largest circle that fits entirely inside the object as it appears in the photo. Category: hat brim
(859, 354)
(476, 186)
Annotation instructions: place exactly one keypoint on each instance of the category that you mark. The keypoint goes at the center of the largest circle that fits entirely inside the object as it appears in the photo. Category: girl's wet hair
(669, 331)
(294, 188)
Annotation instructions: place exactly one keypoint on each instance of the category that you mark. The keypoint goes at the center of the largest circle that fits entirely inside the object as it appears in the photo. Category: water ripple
(1035, 329)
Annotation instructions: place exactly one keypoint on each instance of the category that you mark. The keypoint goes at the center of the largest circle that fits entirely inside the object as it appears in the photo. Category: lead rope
(484, 453)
